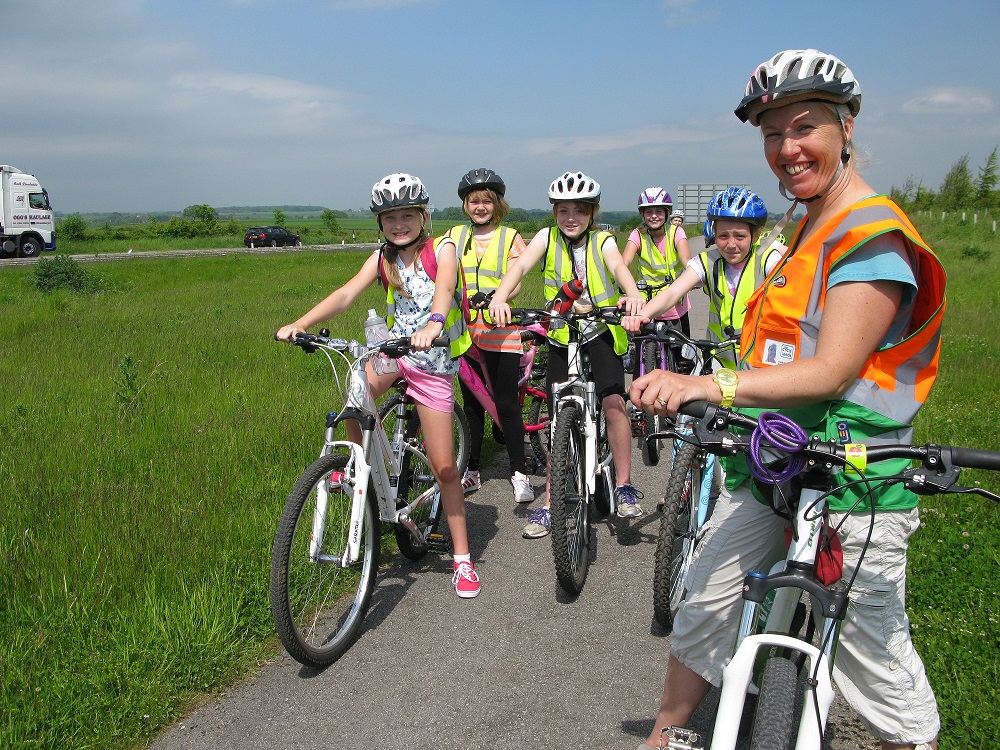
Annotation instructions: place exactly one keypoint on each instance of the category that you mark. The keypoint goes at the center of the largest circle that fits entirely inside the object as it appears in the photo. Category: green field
(154, 429)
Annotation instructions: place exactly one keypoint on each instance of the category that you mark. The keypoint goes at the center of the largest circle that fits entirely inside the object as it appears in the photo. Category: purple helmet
(655, 196)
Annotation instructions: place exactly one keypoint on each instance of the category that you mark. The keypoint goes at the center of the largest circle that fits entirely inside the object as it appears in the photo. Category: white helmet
(396, 191)
(575, 186)
(797, 75)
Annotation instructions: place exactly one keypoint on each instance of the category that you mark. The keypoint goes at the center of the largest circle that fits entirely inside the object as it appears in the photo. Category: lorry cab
(26, 225)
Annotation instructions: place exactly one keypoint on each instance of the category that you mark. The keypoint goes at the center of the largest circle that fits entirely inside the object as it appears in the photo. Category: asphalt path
(523, 666)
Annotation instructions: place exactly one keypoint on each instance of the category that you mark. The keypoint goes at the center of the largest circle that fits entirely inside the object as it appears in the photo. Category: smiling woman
(855, 257)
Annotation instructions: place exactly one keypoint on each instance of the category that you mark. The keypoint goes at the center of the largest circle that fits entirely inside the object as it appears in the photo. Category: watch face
(727, 377)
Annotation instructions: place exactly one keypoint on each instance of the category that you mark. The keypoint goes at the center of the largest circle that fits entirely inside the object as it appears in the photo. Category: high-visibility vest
(601, 288)
(724, 308)
(657, 266)
(483, 275)
(454, 325)
(782, 324)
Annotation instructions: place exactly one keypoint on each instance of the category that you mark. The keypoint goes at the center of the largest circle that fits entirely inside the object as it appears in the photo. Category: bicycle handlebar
(392, 348)
(662, 330)
(938, 472)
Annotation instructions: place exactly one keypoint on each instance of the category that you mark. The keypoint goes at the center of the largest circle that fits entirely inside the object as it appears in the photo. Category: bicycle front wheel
(317, 603)
(677, 538)
(774, 720)
(570, 518)
(387, 413)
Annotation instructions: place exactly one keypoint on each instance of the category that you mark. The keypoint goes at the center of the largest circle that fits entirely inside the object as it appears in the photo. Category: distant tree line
(959, 190)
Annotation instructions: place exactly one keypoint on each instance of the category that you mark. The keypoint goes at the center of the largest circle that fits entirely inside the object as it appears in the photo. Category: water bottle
(377, 331)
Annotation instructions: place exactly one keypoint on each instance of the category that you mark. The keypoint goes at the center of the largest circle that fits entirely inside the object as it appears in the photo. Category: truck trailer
(26, 226)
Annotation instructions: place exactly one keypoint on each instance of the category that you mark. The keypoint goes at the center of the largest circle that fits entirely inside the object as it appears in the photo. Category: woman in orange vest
(844, 335)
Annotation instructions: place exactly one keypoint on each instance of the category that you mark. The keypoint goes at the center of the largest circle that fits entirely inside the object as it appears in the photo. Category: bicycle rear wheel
(677, 538)
(570, 518)
(539, 439)
(317, 604)
(417, 483)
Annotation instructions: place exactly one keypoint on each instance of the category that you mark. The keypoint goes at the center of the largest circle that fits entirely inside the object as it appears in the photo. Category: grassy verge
(154, 430)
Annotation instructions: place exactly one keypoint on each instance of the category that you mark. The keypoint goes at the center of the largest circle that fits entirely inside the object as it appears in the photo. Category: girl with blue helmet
(729, 273)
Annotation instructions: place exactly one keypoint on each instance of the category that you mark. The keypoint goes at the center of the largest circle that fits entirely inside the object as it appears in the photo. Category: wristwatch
(437, 318)
(727, 380)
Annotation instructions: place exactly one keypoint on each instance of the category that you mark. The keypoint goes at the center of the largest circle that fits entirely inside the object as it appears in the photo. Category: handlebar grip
(974, 458)
(441, 341)
(696, 409)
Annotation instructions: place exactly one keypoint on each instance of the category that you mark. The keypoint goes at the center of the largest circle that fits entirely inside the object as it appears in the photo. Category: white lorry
(26, 226)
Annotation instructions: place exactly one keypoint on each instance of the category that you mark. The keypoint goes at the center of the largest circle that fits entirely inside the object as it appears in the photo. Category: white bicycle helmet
(678, 214)
(575, 186)
(654, 196)
(798, 75)
(396, 191)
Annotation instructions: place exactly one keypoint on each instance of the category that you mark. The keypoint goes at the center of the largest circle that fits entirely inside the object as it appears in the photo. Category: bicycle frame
(377, 458)
(482, 388)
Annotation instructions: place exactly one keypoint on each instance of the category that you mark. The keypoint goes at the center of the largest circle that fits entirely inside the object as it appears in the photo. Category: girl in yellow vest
(575, 249)
(422, 309)
(845, 336)
(729, 273)
(662, 250)
(486, 247)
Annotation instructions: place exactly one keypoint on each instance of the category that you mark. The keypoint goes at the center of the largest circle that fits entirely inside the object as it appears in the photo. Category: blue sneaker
(627, 499)
(539, 524)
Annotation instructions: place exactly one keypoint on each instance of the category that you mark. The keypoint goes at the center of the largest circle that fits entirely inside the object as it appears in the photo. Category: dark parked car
(270, 237)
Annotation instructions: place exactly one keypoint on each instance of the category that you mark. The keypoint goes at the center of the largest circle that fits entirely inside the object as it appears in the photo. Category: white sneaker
(523, 492)
(471, 482)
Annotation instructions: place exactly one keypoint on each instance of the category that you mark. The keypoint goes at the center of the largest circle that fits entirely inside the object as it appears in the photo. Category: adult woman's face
(803, 142)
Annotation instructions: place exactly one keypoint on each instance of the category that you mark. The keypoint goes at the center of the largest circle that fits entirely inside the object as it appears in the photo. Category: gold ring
(661, 403)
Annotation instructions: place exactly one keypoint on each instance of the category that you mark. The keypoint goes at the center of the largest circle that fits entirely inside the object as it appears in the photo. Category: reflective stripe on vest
(454, 325)
(486, 274)
(783, 317)
(724, 309)
(659, 266)
(601, 287)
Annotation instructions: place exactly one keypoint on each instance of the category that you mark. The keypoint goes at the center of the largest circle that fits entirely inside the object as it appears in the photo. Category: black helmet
(481, 179)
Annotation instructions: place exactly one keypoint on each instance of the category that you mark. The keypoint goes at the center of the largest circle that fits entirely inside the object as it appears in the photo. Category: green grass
(154, 430)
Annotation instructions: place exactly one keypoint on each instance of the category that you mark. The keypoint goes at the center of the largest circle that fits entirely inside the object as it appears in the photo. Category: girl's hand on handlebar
(631, 305)
(663, 392)
(287, 333)
(634, 323)
(500, 312)
(423, 339)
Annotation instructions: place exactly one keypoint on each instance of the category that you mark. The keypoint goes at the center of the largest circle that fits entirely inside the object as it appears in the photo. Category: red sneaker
(466, 581)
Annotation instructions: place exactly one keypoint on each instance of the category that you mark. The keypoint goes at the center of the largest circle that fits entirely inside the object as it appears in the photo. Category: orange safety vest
(782, 324)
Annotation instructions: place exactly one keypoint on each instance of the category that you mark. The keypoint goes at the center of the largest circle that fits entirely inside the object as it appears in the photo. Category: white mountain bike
(790, 671)
(328, 541)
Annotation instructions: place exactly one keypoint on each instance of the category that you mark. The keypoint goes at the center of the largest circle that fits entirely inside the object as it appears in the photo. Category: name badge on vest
(778, 352)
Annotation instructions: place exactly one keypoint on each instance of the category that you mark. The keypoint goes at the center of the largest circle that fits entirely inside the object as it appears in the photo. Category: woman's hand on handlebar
(663, 392)
(287, 333)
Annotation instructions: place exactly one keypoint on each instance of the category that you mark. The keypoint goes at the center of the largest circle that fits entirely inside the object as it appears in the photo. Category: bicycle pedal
(679, 738)
(437, 543)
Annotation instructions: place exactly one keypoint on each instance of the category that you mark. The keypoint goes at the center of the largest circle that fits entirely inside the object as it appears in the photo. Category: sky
(138, 106)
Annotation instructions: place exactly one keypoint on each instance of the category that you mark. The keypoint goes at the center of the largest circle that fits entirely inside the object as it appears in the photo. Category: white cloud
(685, 13)
(950, 102)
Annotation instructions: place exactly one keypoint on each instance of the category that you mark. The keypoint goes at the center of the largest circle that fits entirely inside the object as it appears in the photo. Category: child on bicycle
(423, 309)
(662, 250)
(729, 273)
(486, 247)
(677, 218)
(576, 249)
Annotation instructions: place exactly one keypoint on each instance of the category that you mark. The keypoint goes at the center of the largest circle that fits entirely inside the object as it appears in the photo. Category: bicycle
(531, 396)
(582, 474)
(327, 544)
(654, 353)
(693, 483)
(770, 652)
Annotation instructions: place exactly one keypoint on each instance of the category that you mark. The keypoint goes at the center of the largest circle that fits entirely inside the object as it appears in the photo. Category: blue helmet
(709, 231)
(740, 204)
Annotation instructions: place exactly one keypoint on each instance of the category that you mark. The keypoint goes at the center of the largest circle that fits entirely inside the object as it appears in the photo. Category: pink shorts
(436, 392)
